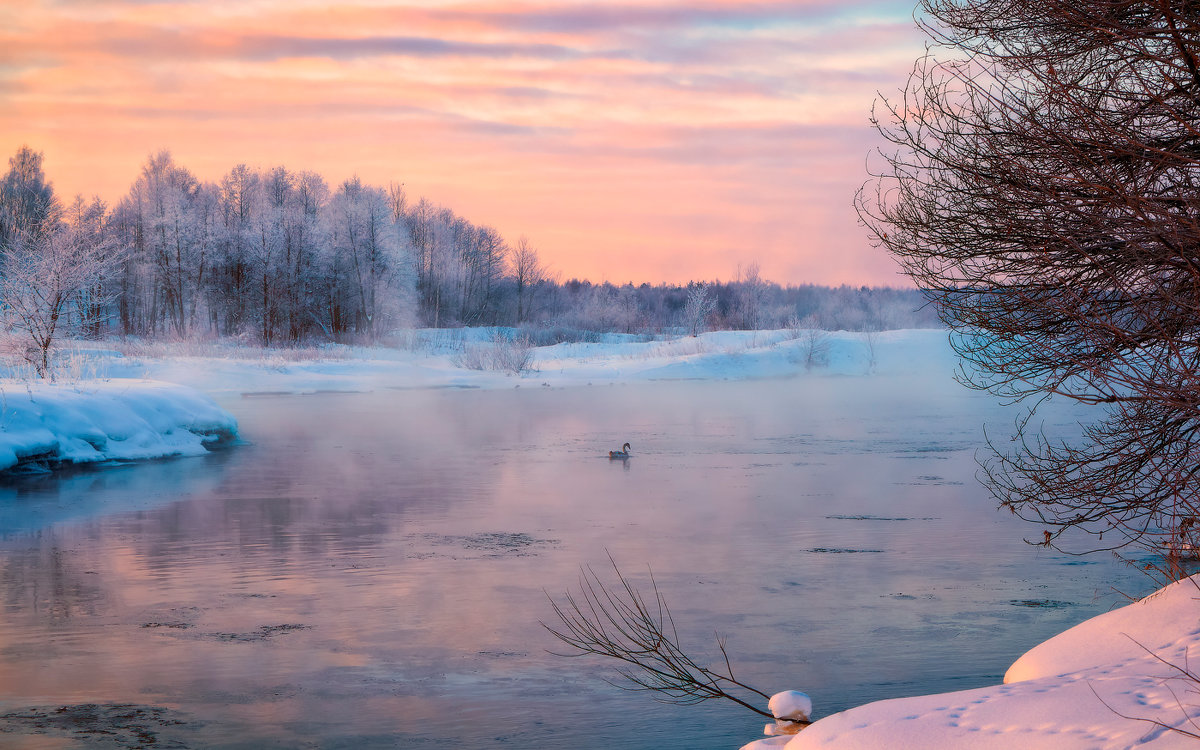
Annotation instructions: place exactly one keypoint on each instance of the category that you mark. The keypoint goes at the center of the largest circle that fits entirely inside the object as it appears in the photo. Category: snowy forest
(279, 257)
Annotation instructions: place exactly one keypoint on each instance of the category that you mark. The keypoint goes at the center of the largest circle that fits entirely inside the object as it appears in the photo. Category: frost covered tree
(370, 258)
(1042, 182)
(528, 273)
(232, 292)
(87, 220)
(48, 277)
(305, 232)
(751, 294)
(168, 222)
(698, 308)
(27, 203)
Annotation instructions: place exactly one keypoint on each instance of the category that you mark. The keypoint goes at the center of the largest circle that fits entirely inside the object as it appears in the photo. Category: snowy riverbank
(43, 425)
(126, 402)
(1108, 682)
(436, 359)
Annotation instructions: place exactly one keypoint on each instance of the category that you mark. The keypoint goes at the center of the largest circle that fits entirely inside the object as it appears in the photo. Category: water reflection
(369, 571)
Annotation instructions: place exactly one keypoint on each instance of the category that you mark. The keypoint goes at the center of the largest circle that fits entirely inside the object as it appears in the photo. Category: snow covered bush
(813, 350)
(503, 354)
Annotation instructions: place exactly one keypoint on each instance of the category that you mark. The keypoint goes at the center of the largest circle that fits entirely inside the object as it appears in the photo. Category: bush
(503, 354)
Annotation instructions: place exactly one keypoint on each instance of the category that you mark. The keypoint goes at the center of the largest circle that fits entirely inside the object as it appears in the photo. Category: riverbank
(461, 358)
(121, 401)
(44, 425)
(1115, 681)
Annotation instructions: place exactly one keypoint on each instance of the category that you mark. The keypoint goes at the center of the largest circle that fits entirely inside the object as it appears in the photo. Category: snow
(113, 420)
(790, 705)
(430, 362)
(1100, 684)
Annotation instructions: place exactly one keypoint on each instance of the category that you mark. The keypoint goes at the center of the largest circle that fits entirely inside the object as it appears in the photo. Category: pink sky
(637, 140)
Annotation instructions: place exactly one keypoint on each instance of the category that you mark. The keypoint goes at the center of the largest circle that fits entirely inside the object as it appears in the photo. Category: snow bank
(123, 415)
(719, 355)
(42, 423)
(1098, 685)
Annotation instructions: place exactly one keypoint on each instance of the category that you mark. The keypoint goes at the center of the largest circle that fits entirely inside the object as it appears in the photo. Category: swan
(623, 453)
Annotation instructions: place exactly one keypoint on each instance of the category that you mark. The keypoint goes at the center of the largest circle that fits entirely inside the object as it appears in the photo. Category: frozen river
(370, 570)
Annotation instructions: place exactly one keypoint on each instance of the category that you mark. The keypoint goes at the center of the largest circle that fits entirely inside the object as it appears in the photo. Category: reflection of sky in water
(369, 570)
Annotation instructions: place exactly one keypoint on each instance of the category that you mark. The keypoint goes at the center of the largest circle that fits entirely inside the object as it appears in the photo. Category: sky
(628, 140)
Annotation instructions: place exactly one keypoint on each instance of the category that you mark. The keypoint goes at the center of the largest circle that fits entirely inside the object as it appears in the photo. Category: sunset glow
(640, 140)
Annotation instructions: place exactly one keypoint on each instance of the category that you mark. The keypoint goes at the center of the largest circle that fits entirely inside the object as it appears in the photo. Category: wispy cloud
(586, 125)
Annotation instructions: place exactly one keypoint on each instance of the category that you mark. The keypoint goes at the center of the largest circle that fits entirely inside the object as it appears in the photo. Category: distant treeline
(277, 256)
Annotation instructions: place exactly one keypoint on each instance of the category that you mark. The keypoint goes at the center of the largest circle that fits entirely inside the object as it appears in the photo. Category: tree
(87, 220)
(528, 273)
(175, 222)
(45, 274)
(699, 307)
(751, 290)
(233, 288)
(1042, 184)
(27, 203)
(371, 255)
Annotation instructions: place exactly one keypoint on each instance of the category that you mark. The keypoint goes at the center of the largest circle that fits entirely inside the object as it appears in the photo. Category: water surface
(370, 570)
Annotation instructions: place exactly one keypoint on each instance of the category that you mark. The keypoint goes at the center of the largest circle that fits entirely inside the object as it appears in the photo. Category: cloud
(597, 17)
(690, 127)
(167, 44)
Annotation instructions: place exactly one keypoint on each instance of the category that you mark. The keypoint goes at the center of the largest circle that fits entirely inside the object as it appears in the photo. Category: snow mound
(790, 705)
(1105, 683)
(42, 423)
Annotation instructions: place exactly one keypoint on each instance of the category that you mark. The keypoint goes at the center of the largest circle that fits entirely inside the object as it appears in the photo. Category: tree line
(279, 257)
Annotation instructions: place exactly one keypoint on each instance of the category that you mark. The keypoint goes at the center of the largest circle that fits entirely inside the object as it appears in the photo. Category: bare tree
(528, 272)
(1042, 183)
(620, 622)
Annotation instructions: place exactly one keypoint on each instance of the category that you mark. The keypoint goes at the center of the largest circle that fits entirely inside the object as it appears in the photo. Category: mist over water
(370, 570)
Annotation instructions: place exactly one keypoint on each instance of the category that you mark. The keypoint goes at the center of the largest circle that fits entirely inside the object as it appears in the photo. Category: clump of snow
(106, 420)
(791, 710)
(790, 705)
(1105, 683)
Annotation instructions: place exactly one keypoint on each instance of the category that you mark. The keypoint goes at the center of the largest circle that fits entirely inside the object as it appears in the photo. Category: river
(371, 570)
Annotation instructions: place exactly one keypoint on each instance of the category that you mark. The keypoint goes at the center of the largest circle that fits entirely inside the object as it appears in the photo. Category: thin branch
(638, 630)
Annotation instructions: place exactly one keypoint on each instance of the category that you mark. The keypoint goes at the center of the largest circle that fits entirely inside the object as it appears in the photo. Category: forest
(278, 257)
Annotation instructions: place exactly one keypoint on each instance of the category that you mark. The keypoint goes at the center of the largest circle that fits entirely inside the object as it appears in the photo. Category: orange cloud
(644, 141)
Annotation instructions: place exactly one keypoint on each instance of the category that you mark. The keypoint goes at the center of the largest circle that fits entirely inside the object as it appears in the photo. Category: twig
(637, 629)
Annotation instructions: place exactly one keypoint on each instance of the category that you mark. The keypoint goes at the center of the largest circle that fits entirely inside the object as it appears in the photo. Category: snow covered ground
(1105, 683)
(435, 360)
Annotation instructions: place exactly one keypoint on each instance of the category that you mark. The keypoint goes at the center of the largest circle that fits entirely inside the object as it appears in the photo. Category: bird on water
(623, 453)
